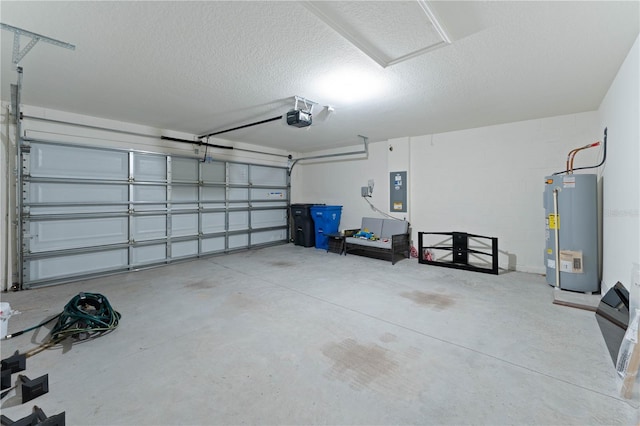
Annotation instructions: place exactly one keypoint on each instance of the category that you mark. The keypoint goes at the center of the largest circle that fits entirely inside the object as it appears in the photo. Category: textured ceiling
(199, 67)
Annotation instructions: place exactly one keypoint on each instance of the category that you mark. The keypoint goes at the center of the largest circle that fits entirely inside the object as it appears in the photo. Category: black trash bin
(303, 227)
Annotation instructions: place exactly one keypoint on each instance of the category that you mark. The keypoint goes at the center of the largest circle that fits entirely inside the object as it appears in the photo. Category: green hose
(9, 336)
(86, 315)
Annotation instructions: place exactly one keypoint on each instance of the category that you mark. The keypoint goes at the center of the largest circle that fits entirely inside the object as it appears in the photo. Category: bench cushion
(373, 224)
(362, 242)
(393, 227)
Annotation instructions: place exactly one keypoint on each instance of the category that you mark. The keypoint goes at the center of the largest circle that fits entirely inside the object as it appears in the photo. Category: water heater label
(571, 261)
(554, 221)
(569, 182)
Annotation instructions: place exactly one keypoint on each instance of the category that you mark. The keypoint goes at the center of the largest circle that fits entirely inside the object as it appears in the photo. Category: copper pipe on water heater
(572, 155)
(569, 159)
(604, 156)
(575, 151)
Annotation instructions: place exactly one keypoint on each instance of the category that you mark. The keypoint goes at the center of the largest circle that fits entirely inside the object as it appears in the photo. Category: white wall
(399, 160)
(338, 182)
(92, 137)
(486, 181)
(620, 113)
(490, 180)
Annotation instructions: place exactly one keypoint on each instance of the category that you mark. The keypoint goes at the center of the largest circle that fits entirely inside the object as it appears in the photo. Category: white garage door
(93, 211)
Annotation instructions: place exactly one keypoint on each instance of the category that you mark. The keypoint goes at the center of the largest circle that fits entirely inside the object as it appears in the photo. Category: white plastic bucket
(5, 314)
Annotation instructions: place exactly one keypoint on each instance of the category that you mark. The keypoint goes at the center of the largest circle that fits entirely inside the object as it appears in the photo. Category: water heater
(571, 232)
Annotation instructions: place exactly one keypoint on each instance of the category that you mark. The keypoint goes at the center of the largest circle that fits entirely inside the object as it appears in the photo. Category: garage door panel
(87, 198)
(150, 168)
(214, 172)
(210, 245)
(238, 241)
(238, 221)
(184, 197)
(89, 211)
(271, 236)
(78, 264)
(213, 193)
(146, 193)
(44, 192)
(213, 222)
(145, 255)
(184, 169)
(149, 227)
(261, 175)
(184, 224)
(67, 234)
(184, 193)
(184, 249)
(238, 173)
(37, 212)
(264, 197)
(75, 162)
(268, 218)
(238, 194)
(268, 194)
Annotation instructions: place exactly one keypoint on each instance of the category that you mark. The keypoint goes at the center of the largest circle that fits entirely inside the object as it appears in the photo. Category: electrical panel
(398, 192)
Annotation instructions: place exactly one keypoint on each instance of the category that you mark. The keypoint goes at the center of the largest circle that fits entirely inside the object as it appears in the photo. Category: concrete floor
(293, 335)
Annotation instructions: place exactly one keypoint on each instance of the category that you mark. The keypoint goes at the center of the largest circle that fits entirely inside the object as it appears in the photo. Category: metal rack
(459, 249)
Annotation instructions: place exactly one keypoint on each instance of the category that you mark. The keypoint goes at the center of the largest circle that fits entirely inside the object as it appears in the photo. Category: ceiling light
(347, 86)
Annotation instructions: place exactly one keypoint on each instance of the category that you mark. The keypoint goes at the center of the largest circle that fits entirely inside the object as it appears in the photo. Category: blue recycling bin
(326, 220)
